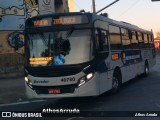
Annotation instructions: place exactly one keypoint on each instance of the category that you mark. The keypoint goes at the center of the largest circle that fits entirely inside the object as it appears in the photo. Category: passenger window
(125, 39)
(146, 45)
(115, 38)
(134, 40)
(140, 39)
(151, 43)
(139, 34)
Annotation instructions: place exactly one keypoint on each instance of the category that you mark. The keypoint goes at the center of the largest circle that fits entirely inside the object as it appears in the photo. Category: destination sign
(42, 60)
(40, 23)
(68, 20)
(60, 20)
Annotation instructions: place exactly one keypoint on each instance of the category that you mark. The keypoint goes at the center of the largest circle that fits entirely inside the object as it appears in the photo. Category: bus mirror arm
(102, 55)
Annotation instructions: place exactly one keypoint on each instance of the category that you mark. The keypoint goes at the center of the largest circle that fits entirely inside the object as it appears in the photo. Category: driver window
(102, 40)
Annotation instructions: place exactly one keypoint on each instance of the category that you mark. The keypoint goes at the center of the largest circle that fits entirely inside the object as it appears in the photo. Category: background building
(71, 5)
(61, 6)
(13, 14)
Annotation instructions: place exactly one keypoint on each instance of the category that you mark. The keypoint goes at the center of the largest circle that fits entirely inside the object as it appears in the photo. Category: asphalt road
(12, 90)
(140, 94)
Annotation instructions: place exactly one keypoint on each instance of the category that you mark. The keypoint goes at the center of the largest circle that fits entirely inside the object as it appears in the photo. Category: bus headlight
(29, 83)
(89, 76)
(26, 79)
(85, 79)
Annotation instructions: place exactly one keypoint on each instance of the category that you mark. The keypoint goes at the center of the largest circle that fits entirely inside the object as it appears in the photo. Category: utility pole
(94, 6)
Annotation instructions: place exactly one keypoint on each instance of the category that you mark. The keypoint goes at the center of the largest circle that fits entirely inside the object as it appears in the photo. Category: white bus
(83, 54)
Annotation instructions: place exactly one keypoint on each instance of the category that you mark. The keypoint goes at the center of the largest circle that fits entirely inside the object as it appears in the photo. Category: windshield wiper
(69, 33)
(44, 39)
(40, 33)
(49, 44)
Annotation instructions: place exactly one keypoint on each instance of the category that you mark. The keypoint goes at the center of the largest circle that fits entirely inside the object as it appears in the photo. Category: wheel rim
(115, 83)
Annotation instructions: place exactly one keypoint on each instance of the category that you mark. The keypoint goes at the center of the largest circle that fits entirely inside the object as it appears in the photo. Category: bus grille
(63, 89)
(53, 73)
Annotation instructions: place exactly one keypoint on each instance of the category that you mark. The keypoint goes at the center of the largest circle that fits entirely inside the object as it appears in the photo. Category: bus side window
(115, 38)
(102, 40)
(140, 40)
(125, 38)
(134, 40)
(146, 45)
(151, 43)
(98, 43)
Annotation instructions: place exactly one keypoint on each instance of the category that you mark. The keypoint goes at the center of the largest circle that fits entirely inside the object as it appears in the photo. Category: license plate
(54, 91)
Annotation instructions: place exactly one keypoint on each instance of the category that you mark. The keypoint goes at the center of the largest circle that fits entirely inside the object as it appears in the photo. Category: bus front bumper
(90, 88)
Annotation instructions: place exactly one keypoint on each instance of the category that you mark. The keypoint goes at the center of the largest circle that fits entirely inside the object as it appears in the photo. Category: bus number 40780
(70, 79)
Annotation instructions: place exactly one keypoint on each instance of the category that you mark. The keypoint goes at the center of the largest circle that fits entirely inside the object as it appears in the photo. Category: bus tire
(116, 82)
(146, 70)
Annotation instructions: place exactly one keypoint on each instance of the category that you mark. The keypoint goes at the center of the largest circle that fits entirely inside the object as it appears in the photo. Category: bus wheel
(115, 83)
(146, 70)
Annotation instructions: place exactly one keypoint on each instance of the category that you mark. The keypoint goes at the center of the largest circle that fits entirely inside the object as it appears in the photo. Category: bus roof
(121, 23)
(94, 17)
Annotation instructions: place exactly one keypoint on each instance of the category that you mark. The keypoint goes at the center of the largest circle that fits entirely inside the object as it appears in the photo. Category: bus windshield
(59, 47)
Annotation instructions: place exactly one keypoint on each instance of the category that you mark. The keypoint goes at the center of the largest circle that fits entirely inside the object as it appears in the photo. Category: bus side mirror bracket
(102, 55)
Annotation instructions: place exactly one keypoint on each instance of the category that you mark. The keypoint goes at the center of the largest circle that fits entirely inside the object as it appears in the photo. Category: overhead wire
(128, 9)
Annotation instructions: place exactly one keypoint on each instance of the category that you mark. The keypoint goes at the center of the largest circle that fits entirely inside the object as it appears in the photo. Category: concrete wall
(12, 23)
(11, 64)
(13, 14)
(71, 5)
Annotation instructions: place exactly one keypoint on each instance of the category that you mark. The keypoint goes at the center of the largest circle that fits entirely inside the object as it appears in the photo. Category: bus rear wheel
(115, 83)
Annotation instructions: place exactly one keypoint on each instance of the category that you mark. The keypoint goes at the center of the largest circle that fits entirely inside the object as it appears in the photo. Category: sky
(143, 13)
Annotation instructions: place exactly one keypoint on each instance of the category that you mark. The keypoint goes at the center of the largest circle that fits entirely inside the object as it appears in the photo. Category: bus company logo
(41, 81)
(47, 2)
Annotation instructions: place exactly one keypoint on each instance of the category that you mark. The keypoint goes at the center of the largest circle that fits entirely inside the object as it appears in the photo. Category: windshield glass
(59, 48)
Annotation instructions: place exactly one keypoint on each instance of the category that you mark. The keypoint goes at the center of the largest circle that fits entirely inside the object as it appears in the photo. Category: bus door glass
(102, 40)
(127, 52)
(103, 51)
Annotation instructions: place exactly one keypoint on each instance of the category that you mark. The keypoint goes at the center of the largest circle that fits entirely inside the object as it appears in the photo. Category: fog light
(81, 82)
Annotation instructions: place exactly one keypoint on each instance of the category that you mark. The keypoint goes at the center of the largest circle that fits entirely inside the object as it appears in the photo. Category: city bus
(83, 54)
